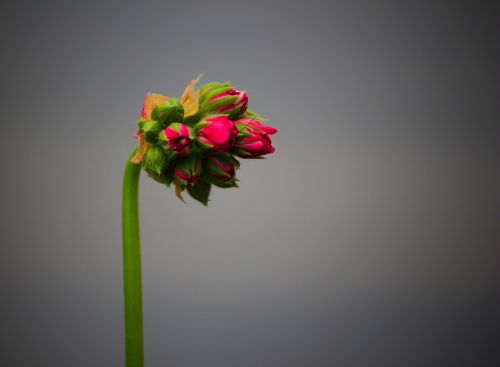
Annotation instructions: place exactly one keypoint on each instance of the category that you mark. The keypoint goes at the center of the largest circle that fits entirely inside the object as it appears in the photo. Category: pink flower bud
(177, 138)
(187, 172)
(217, 133)
(238, 102)
(223, 99)
(253, 139)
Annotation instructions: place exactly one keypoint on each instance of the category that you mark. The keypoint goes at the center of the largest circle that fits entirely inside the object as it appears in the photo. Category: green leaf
(200, 191)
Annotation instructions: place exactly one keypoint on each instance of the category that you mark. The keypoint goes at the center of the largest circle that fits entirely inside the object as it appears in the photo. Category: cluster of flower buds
(192, 141)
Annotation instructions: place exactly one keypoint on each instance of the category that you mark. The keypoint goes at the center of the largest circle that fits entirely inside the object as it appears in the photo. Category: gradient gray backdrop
(369, 239)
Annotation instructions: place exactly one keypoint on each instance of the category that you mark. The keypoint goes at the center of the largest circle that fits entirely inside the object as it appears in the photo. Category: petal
(170, 133)
(216, 132)
(183, 131)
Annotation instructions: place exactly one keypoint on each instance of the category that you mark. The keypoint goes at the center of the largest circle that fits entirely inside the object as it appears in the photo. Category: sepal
(168, 112)
(150, 129)
(155, 160)
(187, 171)
(220, 170)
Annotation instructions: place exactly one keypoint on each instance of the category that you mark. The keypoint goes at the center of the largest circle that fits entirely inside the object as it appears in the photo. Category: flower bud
(151, 100)
(150, 129)
(187, 171)
(221, 170)
(217, 133)
(177, 138)
(154, 161)
(225, 100)
(209, 90)
(253, 139)
(168, 112)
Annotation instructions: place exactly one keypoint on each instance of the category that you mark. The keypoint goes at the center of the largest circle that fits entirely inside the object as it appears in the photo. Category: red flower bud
(225, 99)
(221, 170)
(217, 133)
(187, 171)
(177, 138)
(253, 139)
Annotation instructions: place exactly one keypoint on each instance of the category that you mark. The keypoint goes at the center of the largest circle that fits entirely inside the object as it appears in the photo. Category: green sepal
(150, 130)
(205, 97)
(167, 176)
(193, 119)
(168, 112)
(244, 154)
(248, 114)
(212, 170)
(210, 90)
(242, 131)
(222, 184)
(155, 160)
(210, 86)
(200, 191)
(220, 103)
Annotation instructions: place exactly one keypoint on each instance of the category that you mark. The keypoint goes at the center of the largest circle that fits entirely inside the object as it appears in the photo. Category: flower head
(192, 141)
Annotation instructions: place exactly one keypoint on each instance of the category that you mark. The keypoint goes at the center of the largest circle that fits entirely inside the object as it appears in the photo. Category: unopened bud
(168, 112)
(221, 170)
(154, 161)
(177, 138)
(225, 100)
(150, 129)
(187, 171)
(217, 133)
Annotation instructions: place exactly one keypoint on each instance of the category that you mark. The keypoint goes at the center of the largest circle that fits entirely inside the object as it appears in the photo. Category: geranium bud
(177, 138)
(208, 90)
(253, 139)
(168, 112)
(187, 171)
(231, 102)
(217, 133)
(154, 161)
(221, 170)
(151, 100)
(150, 129)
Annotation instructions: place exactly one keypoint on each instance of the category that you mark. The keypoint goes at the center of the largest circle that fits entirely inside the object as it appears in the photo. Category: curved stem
(132, 283)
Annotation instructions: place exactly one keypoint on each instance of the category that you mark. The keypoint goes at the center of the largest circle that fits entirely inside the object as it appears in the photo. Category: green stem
(132, 283)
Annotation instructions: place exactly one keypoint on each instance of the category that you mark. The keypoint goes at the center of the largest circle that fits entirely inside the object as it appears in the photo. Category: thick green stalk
(132, 279)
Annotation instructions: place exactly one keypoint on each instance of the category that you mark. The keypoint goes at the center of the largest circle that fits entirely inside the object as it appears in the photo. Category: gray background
(370, 238)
